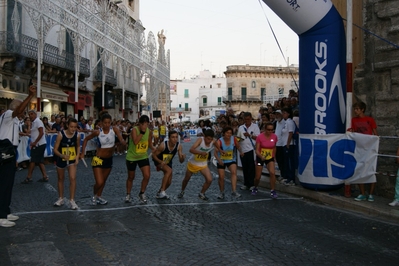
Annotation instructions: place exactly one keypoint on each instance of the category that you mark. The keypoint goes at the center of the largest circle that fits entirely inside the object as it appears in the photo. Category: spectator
(9, 130)
(47, 126)
(56, 127)
(280, 124)
(395, 201)
(52, 121)
(248, 132)
(365, 125)
(289, 148)
(38, 146)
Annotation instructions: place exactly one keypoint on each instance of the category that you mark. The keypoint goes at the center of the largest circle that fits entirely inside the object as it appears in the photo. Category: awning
(54, 94)
(12, 95)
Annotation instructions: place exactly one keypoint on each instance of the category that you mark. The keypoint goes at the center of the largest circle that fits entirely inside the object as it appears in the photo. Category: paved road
(254, 230)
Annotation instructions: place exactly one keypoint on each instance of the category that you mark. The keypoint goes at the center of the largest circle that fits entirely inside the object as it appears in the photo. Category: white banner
(24, 150)
(335, 159)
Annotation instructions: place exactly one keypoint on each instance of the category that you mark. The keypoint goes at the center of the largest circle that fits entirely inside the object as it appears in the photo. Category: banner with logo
(335, 159)
(23, 150)
(322, 62)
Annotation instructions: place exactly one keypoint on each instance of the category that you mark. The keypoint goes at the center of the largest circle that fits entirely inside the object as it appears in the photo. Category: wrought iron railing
(26, 46)
(109, 75)
(232, 98)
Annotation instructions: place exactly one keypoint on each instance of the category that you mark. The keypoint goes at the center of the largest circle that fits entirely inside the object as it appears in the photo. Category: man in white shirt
(9, 129)
(280, 123)
(248, 133)
(37, 146)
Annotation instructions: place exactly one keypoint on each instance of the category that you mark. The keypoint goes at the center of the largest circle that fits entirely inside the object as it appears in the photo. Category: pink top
(267, 144)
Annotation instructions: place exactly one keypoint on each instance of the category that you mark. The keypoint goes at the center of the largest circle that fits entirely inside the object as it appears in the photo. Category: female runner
(66, 150)
(102, 162)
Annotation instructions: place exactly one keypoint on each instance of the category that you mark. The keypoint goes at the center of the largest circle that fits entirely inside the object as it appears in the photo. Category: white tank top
(106, 140)
(198, 159)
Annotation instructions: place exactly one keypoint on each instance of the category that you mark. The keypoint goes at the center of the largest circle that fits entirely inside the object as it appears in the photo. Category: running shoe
(291, 183)
(162, 195)
(202, 196)
(93, 200)
(273, 194)
(221, 195)
(361, 197)
(235, 194)
(181, 194)
(394, 203)
(370, 198)
(59, 202)
(74, 206)
(142, 198)
(128, 199)
(101, 201)
(244, 188)
(254, 191)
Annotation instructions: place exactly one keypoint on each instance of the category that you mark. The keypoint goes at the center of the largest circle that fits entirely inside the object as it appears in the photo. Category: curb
(378, 209)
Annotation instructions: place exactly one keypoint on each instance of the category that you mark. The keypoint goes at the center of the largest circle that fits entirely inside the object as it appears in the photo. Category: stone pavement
(377, 209)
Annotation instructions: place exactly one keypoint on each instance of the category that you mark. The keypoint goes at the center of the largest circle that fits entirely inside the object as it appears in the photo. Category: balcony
(241, 98)
(27, 48)
(109, 76)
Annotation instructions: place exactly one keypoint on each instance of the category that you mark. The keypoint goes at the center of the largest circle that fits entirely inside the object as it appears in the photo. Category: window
(230, 94)
(253, 84)
(219, 85)
(186, 107)
(262, 94)
(204, 101)
(186, 95)
(219, 100)
(280, 91)
(243, 94)
(210, 86)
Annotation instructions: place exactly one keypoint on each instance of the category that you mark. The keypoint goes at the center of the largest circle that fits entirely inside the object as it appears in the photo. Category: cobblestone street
(253, 230)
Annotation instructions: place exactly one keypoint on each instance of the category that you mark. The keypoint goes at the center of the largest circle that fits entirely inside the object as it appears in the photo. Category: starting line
(155, 205)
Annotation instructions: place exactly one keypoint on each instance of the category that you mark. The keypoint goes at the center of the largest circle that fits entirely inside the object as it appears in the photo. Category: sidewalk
(377, 209)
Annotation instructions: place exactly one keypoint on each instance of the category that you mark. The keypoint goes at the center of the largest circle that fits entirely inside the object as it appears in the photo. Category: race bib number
(167, 158)
(201, 158)
(96, 161)
(228, 155)
(69, 151)
(142, 147)
(267, 153)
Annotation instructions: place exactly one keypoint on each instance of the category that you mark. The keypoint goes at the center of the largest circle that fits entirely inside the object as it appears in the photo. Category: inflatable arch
(322, 75)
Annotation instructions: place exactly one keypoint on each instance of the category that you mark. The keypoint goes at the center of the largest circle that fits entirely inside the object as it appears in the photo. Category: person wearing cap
(37, 146)
(9, 129)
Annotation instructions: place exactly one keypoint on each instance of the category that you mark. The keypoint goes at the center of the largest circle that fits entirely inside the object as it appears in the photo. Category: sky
(213, 34)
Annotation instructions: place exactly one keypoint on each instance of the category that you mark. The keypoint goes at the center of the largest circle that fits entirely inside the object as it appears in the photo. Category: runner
(265, 152)
(198, 162)
(155, 133)
(139, 142)
(66, 149)
(229, 144)
(163, 157)
(162, 132)
(102, 162)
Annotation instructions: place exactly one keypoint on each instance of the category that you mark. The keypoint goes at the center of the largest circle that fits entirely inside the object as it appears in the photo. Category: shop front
(83, 105)
(51, 101)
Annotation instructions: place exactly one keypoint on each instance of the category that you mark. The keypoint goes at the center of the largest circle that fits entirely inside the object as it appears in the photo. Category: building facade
(84, 56)
(198, 97)
(250, 87)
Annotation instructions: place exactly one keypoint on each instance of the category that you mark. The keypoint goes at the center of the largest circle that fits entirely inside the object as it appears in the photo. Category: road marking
(155, 205)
